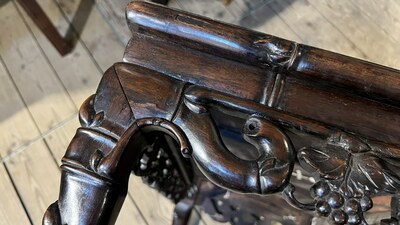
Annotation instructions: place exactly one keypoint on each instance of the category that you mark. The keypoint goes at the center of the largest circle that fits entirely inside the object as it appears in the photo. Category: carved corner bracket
(110, 144)
(349, 169)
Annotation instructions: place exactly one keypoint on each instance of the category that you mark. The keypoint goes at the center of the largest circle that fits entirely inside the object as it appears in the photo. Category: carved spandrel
(267, 174)
(351, 168)
(340, 159)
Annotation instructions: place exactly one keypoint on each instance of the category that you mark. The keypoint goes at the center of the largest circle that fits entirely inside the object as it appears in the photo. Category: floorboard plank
(312, 27)
(77, 71)
(243, 8)
(35, 191)
(11, 209)
(20, 128)
(385, 14)
(210, 8)
(238, 9)
(35, 79)
(376, 45)
(33, 172)
(157, 209)
(14, 117)
(114, 13)
(36, 177)
(174, 4)
(265, 20)
(97, 36)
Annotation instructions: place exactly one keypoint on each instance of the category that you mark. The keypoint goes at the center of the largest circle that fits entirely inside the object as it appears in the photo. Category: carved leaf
(330, 163)
(87, 112)
(356, 174)
(369, 174)
(348, 142)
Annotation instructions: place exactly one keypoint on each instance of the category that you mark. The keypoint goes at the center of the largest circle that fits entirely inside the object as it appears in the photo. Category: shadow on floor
(77, 24)
(259, 12)
(79, 21)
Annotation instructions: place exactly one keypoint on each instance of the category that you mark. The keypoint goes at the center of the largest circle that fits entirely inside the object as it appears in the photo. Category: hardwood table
(218, 116)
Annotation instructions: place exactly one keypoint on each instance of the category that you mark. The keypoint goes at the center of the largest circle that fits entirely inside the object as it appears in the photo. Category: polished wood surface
(163, 121)
(302, 70)
(98, 46)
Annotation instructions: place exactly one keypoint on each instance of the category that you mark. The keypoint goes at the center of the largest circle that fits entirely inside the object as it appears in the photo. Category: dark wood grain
(206, 112)
(155, 53)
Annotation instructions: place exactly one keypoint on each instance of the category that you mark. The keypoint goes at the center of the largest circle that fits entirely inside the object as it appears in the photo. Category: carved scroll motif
(269, 173)
(276, 160)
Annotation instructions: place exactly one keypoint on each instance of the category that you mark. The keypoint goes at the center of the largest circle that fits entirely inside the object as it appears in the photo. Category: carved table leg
(102, 154)
(94, 181)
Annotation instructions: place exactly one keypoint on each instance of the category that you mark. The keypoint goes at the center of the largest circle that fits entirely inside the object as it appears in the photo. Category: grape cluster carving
(349, 170)
(158, 169)
(339, 208)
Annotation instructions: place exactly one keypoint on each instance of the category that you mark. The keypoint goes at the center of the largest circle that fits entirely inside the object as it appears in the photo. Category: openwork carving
(350, 172)
(159, 169)
(358, 169)
(349, 169)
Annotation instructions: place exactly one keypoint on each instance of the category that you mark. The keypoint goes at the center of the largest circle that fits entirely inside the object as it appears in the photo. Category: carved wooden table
(200, 107)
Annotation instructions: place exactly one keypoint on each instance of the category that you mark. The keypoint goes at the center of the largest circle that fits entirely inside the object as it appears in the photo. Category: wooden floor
(40, 92)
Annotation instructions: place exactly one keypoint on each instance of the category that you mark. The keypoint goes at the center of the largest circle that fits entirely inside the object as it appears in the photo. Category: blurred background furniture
(40, 18)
